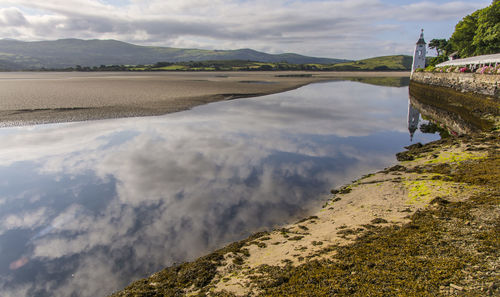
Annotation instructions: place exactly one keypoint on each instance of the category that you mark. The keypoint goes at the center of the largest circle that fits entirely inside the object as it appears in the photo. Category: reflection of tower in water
(413, 119)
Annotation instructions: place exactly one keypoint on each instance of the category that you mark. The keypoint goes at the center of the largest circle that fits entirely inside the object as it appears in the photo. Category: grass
(399, 62)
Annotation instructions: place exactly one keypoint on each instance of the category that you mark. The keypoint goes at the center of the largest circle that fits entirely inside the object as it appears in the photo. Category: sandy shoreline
(427, 226)
(50, 97)
(422, 200)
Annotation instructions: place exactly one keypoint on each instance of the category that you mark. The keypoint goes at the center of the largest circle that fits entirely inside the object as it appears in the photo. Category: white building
(419, 54)
(474, 62)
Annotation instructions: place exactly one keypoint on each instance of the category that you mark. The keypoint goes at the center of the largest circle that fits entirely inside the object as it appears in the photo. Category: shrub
(430, 69)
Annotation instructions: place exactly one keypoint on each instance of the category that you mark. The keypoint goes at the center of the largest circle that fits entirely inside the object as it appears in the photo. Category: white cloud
(12, 17)
(24, 220)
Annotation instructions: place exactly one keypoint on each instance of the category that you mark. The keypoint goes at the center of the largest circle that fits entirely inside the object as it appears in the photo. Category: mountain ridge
(69, 52)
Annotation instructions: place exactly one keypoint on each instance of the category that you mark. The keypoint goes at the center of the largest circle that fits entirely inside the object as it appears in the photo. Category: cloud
(343, 28)
(12, 17)
(24, 220)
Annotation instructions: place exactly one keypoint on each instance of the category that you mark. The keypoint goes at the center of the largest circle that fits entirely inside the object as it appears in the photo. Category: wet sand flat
(49, 97)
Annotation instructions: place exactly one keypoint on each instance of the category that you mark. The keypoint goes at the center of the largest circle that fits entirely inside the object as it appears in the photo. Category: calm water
(85, 208)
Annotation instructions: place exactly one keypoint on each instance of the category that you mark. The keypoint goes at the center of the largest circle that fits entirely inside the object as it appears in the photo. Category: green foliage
(436, 60)
(432, 128)
(440, 45)
(478, 33)
(463, 36)
(487, 37)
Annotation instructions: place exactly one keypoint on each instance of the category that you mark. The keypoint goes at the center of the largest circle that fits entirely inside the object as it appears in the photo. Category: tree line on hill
(387, 63)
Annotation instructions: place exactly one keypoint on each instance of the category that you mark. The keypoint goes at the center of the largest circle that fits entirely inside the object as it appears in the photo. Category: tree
(478, 33)
(487, 37)
(440, 45)
(463, 36)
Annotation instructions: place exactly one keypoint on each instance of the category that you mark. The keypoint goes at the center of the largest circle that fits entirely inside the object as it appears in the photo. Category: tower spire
(421, 39)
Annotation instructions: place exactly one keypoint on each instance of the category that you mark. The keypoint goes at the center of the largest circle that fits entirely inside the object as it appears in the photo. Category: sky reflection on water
(87, 207)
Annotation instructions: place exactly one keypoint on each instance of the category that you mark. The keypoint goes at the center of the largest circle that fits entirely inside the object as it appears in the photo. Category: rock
(378, 221)
(440, 201)
(405, 156)
(414, 146)
(397, 168)
(345, 190)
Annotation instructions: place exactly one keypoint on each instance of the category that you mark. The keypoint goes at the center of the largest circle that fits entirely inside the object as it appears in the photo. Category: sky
(349, 29)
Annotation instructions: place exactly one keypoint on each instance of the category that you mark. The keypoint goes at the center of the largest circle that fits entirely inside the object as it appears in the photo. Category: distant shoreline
(31, 98)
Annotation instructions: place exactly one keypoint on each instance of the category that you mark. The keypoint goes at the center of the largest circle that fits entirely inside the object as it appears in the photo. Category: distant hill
(16, 55)
(399, 62)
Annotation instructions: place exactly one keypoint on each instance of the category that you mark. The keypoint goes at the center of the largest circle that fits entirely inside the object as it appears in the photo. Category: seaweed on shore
(196, 275)
(449, 248)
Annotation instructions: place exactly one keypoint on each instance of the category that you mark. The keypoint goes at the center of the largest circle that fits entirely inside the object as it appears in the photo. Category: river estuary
(88, 207)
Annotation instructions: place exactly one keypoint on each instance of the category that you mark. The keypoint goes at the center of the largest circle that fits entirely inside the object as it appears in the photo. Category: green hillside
(384, 63)
(63, 53)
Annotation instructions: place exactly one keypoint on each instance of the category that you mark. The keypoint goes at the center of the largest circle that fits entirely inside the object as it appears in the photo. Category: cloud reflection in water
(87, 207)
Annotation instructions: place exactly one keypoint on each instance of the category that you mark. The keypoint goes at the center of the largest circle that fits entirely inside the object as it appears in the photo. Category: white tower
(419, 55)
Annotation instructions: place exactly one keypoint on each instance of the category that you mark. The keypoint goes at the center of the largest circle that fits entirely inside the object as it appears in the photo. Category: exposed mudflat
(49, 97)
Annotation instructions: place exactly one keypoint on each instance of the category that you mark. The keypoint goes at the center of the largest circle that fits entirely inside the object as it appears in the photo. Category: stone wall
(484, 84)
